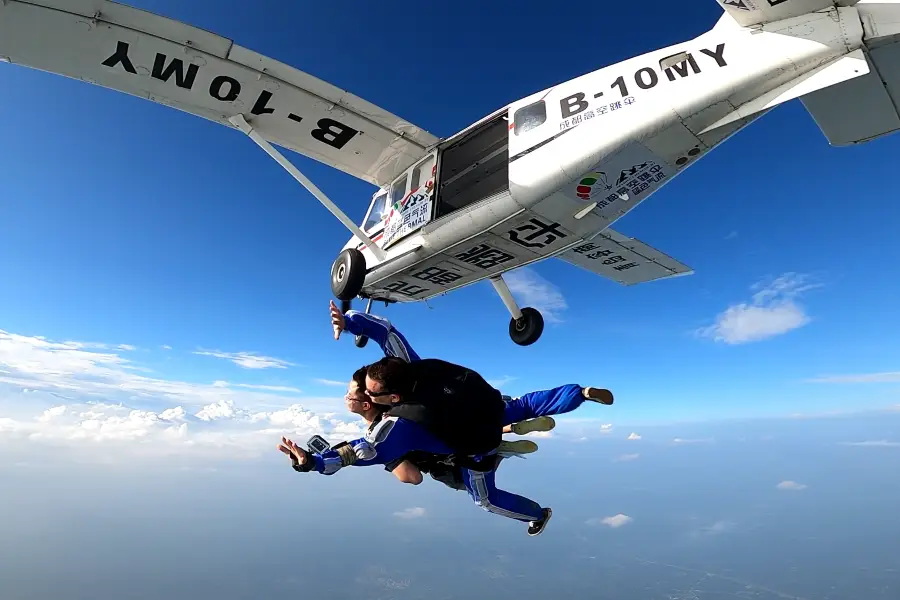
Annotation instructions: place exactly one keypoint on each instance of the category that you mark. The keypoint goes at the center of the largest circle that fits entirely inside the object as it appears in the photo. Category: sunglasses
(371, 394)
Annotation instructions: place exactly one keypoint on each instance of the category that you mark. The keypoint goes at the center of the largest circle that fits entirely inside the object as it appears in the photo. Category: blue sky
(163, 321)
(127, 223)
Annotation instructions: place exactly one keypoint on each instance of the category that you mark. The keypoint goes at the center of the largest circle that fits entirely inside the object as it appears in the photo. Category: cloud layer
(530, 289)
(627, 457)
(415, 512)
(218, 425)
(885, 377)
(70, 392)
(874, 444)
(248, 360)
(773, 310)
(614, 521)
(791, 486)
(86, 369)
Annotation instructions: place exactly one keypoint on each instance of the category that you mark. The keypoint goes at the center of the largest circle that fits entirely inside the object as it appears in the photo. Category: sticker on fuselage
(620, 182)
(409, 214)
(624, 90)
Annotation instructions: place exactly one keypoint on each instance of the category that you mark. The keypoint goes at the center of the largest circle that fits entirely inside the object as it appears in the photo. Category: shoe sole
(549, 515)
(533, 425)
(518, 447)
(601, 396)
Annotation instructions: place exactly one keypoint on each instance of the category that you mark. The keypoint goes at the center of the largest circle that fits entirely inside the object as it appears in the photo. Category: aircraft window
(529, 117)
(670, 61)
(398, 190)
(422, 173)
(375, 213)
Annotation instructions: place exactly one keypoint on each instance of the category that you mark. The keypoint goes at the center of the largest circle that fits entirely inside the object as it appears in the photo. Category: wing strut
(241, 123)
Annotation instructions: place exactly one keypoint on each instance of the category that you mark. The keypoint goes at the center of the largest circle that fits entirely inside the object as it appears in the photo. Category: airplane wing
(165, 61)
(756, 12)
(624, 260)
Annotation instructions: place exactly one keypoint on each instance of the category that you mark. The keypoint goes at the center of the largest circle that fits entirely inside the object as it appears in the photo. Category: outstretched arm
(358, 323)
(388, 441)
(377, 329)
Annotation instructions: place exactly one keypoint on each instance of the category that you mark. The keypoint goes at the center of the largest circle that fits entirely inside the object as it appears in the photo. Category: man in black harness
(410, 467)
(430, 400)
(459, 408)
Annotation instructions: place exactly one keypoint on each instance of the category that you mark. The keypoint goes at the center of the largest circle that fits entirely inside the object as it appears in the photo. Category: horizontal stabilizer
(847, 67)
(158, 59)
(757, 12)
(624, 260)
(862, 109)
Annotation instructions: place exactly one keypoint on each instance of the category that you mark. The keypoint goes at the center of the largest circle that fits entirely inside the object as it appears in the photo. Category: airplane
(542, 177)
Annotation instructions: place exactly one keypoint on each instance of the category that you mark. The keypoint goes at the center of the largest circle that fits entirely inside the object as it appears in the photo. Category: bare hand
(294, 452)
(337, 319)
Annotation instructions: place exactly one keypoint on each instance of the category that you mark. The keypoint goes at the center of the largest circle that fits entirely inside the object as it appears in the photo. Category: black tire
(348, 274)
(528, 329)
(360, 340)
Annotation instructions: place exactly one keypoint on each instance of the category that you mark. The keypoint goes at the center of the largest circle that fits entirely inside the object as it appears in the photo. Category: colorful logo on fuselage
(591, 182)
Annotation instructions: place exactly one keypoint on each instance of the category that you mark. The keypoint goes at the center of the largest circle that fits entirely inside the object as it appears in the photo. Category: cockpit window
(375, 213)
(529, 117)
(422, 173)
(398, 190)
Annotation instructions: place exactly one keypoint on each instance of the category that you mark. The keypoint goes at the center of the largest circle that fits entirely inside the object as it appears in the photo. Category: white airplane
(544, 176)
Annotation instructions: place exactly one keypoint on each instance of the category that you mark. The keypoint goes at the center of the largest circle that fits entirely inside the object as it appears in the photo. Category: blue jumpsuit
(392, 438)
(480, 485)
(555, 401)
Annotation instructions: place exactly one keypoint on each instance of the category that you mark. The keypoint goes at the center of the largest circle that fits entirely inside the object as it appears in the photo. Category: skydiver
(473, 448)
(526, 414)
(381, 446)
(409, 468)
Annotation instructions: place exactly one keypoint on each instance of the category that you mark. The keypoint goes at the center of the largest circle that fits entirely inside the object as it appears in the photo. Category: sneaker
(598, 395)
(536, 527)
(531, 425)
(517, 447)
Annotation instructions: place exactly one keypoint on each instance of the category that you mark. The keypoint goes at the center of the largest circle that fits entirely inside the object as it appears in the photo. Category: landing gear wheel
(528, 329)
(348, 274)
(360, 340)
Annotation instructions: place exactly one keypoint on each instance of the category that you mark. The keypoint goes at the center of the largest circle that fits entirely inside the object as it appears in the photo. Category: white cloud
(532, 290)
(126, 347)
(76, 391)
(333, 382)
(411, 513)
(502, 381)
(37, 364)
(772, 311)
(886, 377)
(791, 486)
(614, 521)
(718, 528)
(605, 427)
(633, 436)
(219, 425)
(270, 388)
(873, 444)
(627, 457)
(539, 434)
(692, 441)
(166, 347)
(248, 360)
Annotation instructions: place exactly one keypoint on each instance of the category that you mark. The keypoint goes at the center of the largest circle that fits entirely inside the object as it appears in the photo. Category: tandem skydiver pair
(429, 415)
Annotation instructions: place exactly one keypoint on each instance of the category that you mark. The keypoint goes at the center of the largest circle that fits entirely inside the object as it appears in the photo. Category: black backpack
(455, 404)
